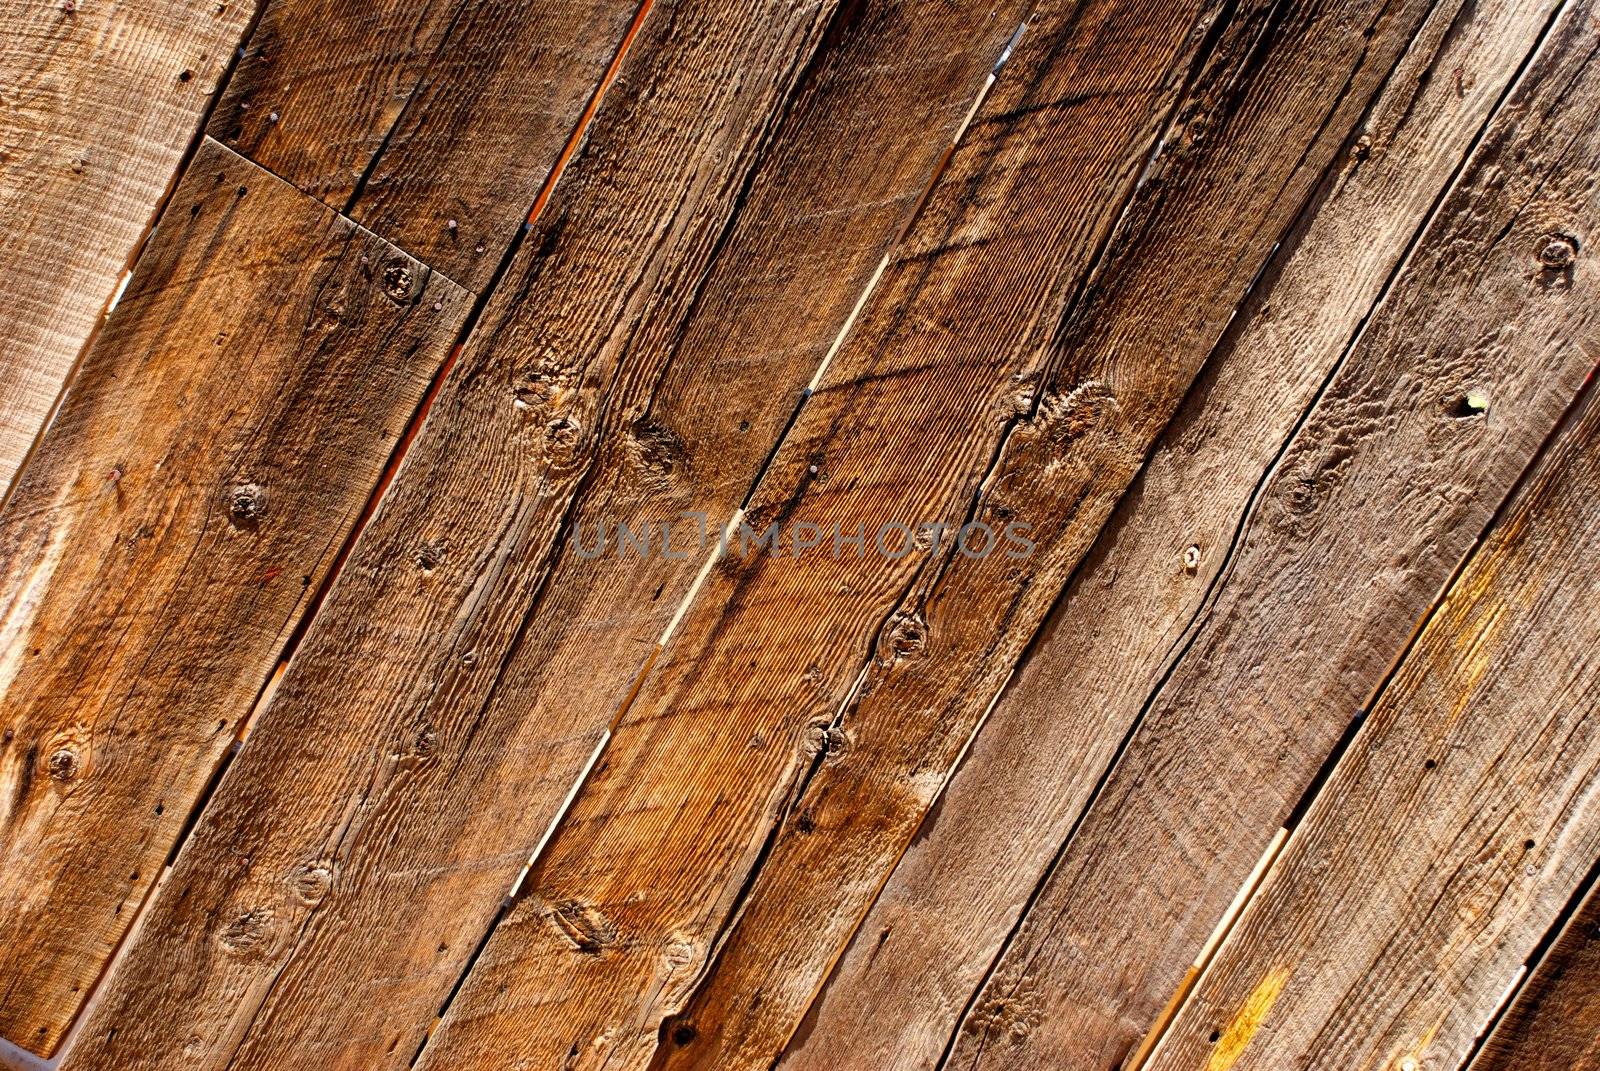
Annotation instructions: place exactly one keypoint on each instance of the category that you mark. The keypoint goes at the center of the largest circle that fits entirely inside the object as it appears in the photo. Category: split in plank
(965, 880)
(101, 101)
(223, 435)
(731, 764)
(1391, 479)
(689, 273)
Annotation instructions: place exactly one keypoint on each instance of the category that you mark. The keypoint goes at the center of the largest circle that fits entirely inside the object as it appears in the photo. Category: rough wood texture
(736, 726)
(467, 662)
(98, 103)
(1364, 517)
(222, 436)
(1466, 810)
(1554, 1024)
(413, 115)
(966, 879)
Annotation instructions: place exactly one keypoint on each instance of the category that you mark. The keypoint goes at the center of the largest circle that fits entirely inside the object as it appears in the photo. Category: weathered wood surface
(223, 434)
(733, 733)
(433, 122)
(1465, 812)
(965, 881)
(1366, 514)
(688, 274)
(1554, 1023)
(98, 103)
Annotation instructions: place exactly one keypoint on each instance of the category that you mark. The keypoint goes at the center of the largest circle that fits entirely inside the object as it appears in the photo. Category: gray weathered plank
(1363, 519)
(98, 103)
(1465, 812)
(1554, 1023)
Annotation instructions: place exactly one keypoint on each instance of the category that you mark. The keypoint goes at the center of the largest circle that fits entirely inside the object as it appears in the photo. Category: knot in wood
(824, 740)
(398, 281)
(561, 440)
(310, 882)
(655, 449)
(589, 931)
(906, 635)
(247, 504)
(1557, 252)
(429, 555)
(63, 765)
(1066, 417)
(247, 934)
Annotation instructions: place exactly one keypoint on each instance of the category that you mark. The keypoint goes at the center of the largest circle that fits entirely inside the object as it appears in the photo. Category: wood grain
(1554, 1023)
(98, 103)
(1462, 817)
(1363, 519)
(965, 880)
(691, 270)
(221, 438)
(735, 729)
(433, 122)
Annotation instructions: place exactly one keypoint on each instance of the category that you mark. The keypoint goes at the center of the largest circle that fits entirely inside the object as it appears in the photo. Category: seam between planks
(1527, 972)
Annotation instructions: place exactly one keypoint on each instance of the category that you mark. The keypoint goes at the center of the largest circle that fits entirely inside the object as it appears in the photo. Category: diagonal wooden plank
(634, 901)
(1554, 1023)
(1466, 810)
(899, 991)
(224, 433)
(1390, 480)
(648, 346)
(98, 104)
(435, 123)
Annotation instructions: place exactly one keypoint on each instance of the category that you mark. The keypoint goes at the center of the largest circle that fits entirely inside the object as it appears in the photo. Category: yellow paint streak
(1476, 642)
(1243, 1029)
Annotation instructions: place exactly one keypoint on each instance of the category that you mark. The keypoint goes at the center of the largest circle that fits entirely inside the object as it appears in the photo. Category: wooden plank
(100, 102)
(899, 991)
(221, 438)
(632, 905)
(1362, 520)
(691, 270)
(1554, 1023)
(433, 122)
(1466, 810)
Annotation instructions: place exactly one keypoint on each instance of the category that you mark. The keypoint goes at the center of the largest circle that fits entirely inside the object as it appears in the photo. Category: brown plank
(733, 730)
(1362, 520)
(1466, 810)
(691, 270)
(899, 991)
(98, 103)
(413, 115)
(1554, 1023)
(223, 434)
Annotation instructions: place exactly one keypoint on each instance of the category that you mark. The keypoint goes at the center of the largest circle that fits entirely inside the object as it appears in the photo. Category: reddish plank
(690, 271)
